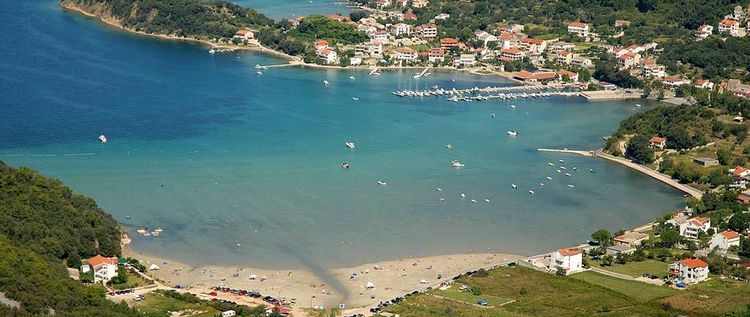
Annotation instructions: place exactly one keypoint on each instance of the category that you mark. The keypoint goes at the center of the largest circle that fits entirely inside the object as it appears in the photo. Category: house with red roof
(244, 35)
(328, 56)
(568, 259)
(511, 54)
(628, 60)
(536, 77)
(579, 28)
(104, 268)
(694, 226)
(533, 46)
(703, 32)
(448, 43)
(572, 76)
(657, 142)
(725, 240)
(729, 26)
(739, 172)
(436, 55)
(689, 270)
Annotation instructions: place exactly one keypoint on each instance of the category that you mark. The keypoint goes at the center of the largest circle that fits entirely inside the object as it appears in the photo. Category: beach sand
(391, 278)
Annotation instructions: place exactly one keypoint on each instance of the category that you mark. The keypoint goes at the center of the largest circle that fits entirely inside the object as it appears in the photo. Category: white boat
(449, 146)
(550, 164)
(211, 51)
(638, 105)
(259, 72)
(531, 191)
(474, 201)
(441, 199)
(514, 186)
(592, 170)
(558, 171)
(345, 165)
(561, 161)
(350, 145)
(563, 168)
(382, 183)
(355, 98)
(462, 195)
(492, 115)
(456, 163)
(549, 178)
(512, 133)
(541, 184)
(352, 77)
(325, 82)
(571, 186)
(486, 200)
(439, 189)
(258, 66)
(513, 106)
(103, 139)
(568, 174)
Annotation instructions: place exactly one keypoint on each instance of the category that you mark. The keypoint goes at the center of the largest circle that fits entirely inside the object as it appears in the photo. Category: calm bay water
(217, 155)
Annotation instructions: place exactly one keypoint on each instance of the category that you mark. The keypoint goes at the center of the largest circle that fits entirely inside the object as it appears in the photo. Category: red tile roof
(533, 41)
(578, 24)
(99, 260)
(657, 139)
(569, 251)
(728, 22)
(729, 234)
(693, 263)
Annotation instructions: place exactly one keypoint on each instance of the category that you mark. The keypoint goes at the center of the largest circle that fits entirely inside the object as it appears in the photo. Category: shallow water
(217, 155)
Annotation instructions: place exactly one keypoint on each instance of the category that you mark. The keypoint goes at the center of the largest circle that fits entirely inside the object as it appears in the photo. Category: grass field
(584, 294)
(636, 269)
(157, 305)
(638, 290)
(469, 298)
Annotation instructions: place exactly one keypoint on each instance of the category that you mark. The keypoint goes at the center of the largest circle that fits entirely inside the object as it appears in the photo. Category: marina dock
(489, 92)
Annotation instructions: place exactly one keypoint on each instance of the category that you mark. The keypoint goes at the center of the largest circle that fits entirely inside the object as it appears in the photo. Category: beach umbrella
(370, 285)
(153, 267)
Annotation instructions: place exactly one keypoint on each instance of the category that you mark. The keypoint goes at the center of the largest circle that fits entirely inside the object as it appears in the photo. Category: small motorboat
(558, 171)
(350, 145)
(486, 200)
(563, 168)
(568, 174)
(638, 105)
(571, 186)
(345, 165)
(561, 161)
(325, 82)
(211, 51)
(103, 139)
(439, 189)
(550, 164)
(456, 163)
(462, 195)
(474, 201)
(541, 184)
(575, 168)
(352, 77)
(549, 178)
(449, 146)
(382, 183)
(514, 186)
(592, 171)
(492, 115)
(513, 133)
(441, 199)
(531, 191)
(513, 106)
(259, 72)
(355, 98)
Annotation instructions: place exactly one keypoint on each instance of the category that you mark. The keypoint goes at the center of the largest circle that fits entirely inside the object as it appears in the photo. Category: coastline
(292, 61)
(392, 278)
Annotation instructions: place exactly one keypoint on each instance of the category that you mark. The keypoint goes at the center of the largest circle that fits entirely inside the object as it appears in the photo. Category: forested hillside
(43, 223)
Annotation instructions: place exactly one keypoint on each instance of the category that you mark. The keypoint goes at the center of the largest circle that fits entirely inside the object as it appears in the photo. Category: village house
(320, 44)
(628, 60)
(622, 24)
(401, 3)
(339, 17)
(706, 161)
(729, 26)
(572, 76)
(694, 226)
(448, 43)
(485, 37)
(427, 31)
(410, 16)
(744, 197)
(537, 77)
(381, 4)
(725, 240)
(568, 259)
(442, 16)
(703, 32)
(620, 249)
(244, 35)
(564, 57)
(657, 142)
(419, 3)
(578, 28)
(507, 40)
(739, 172)
(380, 36)
(406, 54)
(533, 46)
(104, 268)
(650, 69)
(328, 56)
(465, 60)
(689, 270)
(582, 62)
(400, 29)
(436, 55)
(674, 81)
(631, 238)
(562, 46)
(511, 54)
(703, 84)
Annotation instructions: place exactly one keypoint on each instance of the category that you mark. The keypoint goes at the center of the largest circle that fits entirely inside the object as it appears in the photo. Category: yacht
(382, 183)
(513, 133)
(350, 145)
(456, 163)
(103, 139)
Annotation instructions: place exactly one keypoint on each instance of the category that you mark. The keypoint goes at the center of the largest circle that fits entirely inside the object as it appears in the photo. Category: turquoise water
(216, 155)
(289, 9)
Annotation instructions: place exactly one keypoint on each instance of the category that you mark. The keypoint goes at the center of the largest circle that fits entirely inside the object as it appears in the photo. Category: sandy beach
(391, 278)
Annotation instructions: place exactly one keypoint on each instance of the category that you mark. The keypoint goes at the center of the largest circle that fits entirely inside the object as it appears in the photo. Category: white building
(400, 29)
(485, 37)
(466, 60)
(582, 62)
(724, 240)
(692, 227)
(244, 35)
(689, 270)
(729, 26)
(104, 268)
(569, 259)
(704, 31)
(406, 54)
(427, 30)
(420, 3)
(436, 55)
(442, 16)
(652, 69)
(578, 28)
(228, 313)
(328, 56)
(379, 36)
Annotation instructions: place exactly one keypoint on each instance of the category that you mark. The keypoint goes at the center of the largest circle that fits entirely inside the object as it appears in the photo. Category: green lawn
(638, 290)
(134, 280)
(456, 294)
(711, 298)
(156, 304)
(636, 269)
